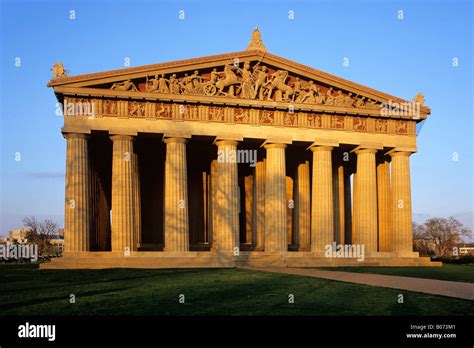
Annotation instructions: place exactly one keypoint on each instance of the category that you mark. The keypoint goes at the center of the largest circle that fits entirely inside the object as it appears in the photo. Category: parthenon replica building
(231, 160)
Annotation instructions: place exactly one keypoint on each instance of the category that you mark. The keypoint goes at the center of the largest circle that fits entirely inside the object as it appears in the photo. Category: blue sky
(397, 56)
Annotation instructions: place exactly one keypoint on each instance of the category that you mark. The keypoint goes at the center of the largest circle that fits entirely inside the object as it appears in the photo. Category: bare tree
(40, 232)
(444, 233)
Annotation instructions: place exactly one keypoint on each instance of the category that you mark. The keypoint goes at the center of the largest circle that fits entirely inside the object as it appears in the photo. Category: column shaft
(176, 219)
(322, 212)
(275, 200)
(383, 200)
(366, 211)
(402, 234)
(77, 201)
(226, 235)
(123, 219)
(259, 207)
(303, 207)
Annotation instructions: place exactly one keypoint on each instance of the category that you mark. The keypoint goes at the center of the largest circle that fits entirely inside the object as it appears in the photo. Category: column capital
(173, 140)
(399, 153)
(76, 136)
(359, 151)
(122, 137)
(321, 148)
(274, 146)
(224, 142)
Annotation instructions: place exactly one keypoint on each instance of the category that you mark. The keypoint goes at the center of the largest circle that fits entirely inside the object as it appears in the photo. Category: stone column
(347, 206)
(259, 207)
(338, 201)
(322, 213)
(383, 200)
(226, 235)
(137, 201)
(176, 219)
(402, 235)
(303, 207)
(123, 219)
(77, 201)
(366, 205)
(275, 200)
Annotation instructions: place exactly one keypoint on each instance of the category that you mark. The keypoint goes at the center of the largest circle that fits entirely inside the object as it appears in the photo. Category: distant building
(18, 235)
(466, 249)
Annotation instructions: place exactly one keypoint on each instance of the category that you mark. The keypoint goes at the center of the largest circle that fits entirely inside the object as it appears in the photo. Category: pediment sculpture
(257, 82)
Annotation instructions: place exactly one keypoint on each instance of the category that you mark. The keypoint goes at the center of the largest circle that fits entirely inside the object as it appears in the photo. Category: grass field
(25, 290)
(456, 273)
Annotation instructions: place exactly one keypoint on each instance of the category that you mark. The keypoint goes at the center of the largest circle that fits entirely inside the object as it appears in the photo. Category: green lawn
(456, 273)
(25, 290)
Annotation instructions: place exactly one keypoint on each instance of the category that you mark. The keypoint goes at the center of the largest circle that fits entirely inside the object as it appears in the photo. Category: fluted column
(275, 199)
(366, 205)
(77, 198)
(347, 206)
(383, 200)
(136, 201)
(123, 219)
(303, 207)
(176, 219)
(402, 237)
(338, 201)
(259, 206)
(226, 235)
(322, 209)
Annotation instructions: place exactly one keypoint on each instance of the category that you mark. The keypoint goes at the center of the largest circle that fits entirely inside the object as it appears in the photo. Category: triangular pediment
(253, 78)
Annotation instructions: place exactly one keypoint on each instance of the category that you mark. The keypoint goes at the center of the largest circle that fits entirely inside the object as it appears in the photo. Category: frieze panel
(205, 113)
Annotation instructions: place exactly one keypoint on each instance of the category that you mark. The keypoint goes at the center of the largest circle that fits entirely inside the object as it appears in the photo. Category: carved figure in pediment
(348, 101)
(311, 94)
(185, 84)
(372, 104)
(137, 109)
(247, 89)
(360, 102)
(339, 99)
(278, 81)
(163, 84)
(297, 90)
(329, 97)
(196, 83)
(152, 86)
(229, 80)
(260, 80)
(126, 85)
(174, 85)
(214, 76)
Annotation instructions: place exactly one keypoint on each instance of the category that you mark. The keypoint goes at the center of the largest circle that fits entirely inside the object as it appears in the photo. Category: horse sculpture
(278, 82)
